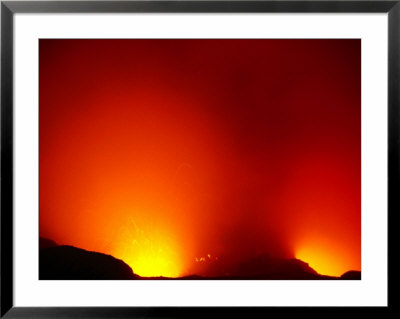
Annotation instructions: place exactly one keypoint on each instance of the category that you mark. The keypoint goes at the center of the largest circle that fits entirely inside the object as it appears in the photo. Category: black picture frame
(9, 8)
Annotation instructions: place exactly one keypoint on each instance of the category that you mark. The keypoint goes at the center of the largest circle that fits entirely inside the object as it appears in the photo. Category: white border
(370, 291)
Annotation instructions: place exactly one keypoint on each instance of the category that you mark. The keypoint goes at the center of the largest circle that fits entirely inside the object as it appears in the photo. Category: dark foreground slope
(67, 262)
(351, 275)
(264, 267)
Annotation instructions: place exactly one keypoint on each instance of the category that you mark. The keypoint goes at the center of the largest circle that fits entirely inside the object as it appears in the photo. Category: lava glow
(324, 261)
(150, 253)
(153, 261)
(168, 153)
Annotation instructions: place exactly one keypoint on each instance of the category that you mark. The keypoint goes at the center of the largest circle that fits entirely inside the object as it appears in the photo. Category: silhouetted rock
(351, 275)
(263, 267)
(46, 243)
(193, 277)
(266, 267)
(71, 263)
(68, 262)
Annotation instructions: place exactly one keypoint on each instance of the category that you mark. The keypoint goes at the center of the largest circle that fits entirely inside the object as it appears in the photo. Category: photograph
(199, 159)
(194, 158)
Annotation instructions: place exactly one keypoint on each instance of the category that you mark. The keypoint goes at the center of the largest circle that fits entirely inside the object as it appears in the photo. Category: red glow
(163, 151)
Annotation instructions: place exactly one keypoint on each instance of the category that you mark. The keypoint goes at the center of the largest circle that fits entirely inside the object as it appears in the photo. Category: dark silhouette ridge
(46, 243)
(265, 267)
(71, 263)
(351, 275)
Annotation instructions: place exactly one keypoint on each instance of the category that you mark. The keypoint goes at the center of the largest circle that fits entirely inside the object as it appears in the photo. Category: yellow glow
(321, 260)
(150, 264)
(150, 254)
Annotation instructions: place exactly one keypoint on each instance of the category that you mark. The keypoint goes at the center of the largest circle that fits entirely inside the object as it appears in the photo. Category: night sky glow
(167, 153)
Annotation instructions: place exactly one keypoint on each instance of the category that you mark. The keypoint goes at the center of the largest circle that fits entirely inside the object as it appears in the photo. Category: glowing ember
(205, 258)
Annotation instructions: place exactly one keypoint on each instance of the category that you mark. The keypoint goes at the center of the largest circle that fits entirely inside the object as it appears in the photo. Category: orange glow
(323, 260)
(151, 257)
(167, 153)
(151, 252)
(152, 262)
